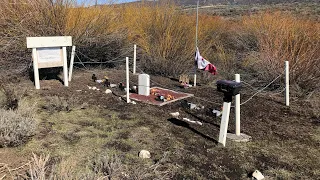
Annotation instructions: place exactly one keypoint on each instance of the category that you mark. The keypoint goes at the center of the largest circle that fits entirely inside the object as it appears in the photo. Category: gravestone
(144, 84)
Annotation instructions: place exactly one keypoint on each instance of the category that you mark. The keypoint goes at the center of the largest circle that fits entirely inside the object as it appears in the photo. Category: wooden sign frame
(50, 44)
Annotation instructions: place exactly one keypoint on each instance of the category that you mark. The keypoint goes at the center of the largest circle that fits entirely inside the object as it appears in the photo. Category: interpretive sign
(50, 57)
(49, 52)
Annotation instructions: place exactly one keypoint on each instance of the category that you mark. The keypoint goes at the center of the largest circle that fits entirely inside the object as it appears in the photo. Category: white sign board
(50, 57)
(49, 52)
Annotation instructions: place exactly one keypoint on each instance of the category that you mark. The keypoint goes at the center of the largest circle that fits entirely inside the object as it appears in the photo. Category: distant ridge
(242, 2)
(216, 2)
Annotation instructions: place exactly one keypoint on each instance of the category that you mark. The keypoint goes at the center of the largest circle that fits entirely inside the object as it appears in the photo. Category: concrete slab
(241, 138)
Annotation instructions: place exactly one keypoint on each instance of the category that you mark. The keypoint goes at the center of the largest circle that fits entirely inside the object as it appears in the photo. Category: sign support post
(73, 52)
(35, 68)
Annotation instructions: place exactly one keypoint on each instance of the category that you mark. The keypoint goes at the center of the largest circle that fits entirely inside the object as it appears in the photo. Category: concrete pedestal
(144, 84)
(241, 138)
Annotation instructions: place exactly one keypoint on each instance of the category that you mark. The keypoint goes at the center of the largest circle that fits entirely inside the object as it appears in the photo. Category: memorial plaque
(50, 57)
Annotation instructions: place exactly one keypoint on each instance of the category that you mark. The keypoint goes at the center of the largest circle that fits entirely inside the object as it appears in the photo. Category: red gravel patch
(152, 98)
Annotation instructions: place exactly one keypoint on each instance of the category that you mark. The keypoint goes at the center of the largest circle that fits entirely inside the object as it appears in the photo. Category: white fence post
(224, 123)
(287, 82)
(134, 58)
(65, 67)
(237, 108)
(71, 62)
(127, 78)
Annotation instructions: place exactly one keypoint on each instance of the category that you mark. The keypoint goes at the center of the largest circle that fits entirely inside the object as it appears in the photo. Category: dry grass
(261, 42)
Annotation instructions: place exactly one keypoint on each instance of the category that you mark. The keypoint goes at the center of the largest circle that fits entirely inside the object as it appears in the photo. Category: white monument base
(144, 84)
(241, 138)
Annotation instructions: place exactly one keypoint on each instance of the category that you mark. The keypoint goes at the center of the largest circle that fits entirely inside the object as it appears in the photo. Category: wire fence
(258, 91)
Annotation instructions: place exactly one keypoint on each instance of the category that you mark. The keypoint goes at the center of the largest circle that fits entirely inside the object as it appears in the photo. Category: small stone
(192, 106)
(133, 102)
(113, 85)
(217, 113)
(256, 175)
(108, 91)
(94, 88)
(175, 114)
(144, 154)
(89, 87)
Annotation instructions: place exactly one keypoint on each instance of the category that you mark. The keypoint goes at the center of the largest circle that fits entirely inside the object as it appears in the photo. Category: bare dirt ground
(76, 123)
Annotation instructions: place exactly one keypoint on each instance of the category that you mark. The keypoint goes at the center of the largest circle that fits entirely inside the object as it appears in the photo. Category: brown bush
(57, 104)
(15, 128)
(257, 44)
(283, 37)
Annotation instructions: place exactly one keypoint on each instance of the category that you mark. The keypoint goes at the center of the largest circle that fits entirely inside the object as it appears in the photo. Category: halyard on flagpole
(195, 67)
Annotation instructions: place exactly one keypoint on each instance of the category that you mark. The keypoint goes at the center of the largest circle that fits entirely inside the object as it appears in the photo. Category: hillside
(241, 2)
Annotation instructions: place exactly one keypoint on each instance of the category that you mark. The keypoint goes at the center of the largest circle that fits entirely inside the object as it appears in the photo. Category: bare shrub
(10, 98)
(57, 104)
(38, 167)
(163, 169)
(15, 128)
(283, 37)
(94, 30)
(109, 166)
(165, 35)
(27, 18)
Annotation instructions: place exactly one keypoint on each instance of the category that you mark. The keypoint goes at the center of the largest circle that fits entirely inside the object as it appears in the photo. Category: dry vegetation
(255, 46)
(259, 43)
(17, 122)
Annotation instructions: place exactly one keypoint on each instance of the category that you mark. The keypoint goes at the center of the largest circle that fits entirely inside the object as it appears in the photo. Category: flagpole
(195, 67)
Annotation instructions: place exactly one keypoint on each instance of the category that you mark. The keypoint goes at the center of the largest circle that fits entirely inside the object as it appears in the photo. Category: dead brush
(109, 167)
(10, 98)
(27, 18)
(38, 167)
(164, 34)
(15, 128)
(57, 104)
(283, 37)
(160, 170)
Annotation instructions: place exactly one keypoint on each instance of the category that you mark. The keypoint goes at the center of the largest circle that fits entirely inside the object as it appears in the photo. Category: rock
(192, 106)
(216, 113)
(78, 90)
(133, 102)
(175, 114)
(256, 175)
(108, 91)
(98, 89)
(99, 81)
(144, 154)
(89, 87)
(190, 121)
(93, 88)
(113, 85)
